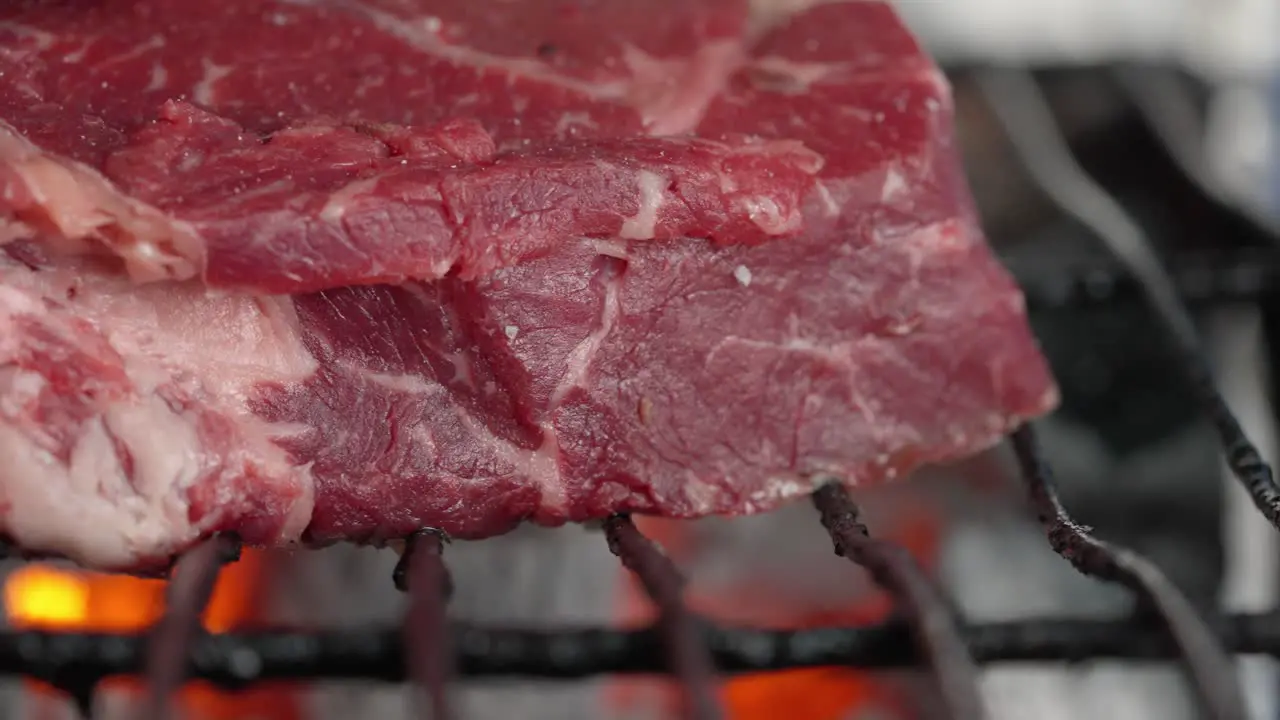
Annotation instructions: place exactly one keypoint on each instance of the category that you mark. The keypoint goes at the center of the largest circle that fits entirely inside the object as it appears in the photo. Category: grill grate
(423, 652)
(233, 661)
(428, 650)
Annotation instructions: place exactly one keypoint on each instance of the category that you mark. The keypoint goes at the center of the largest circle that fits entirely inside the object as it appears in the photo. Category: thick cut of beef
(325, 270)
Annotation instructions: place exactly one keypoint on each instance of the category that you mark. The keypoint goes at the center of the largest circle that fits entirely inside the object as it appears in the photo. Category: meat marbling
(324, 270)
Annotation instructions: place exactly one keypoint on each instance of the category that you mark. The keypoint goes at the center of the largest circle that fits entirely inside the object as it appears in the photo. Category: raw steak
(324, 270)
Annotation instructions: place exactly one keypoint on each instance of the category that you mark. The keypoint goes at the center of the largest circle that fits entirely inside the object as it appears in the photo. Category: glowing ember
(46, 597)
(41, 597)
(810, 694)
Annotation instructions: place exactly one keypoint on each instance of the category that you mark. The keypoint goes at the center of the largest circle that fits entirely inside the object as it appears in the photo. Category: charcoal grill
(926, 632)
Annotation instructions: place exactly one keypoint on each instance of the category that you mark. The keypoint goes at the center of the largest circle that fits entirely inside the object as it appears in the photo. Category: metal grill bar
(570, 653)
(427, 644)
(1207, 663)
(931, 618)
(1237, 276)
(188, 594)
(690, 657)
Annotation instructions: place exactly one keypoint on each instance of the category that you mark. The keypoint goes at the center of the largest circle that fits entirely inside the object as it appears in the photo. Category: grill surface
(428, 650)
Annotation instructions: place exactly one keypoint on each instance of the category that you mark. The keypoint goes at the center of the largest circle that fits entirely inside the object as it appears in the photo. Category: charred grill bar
(690, 658)
(426, 631)
(931, 620)
(235, 660)
(170, 644)
(1207, 663)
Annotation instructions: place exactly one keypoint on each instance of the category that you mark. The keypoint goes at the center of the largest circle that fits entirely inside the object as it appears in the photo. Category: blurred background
(1174, 107)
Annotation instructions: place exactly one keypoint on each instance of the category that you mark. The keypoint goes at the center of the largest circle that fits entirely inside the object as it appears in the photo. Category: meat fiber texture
(312, 271)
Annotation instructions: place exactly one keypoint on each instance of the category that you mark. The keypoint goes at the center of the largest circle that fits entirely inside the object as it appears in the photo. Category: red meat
(314, 271)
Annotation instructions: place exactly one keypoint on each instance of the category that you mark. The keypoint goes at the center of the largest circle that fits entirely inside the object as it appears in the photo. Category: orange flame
(45, 597)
